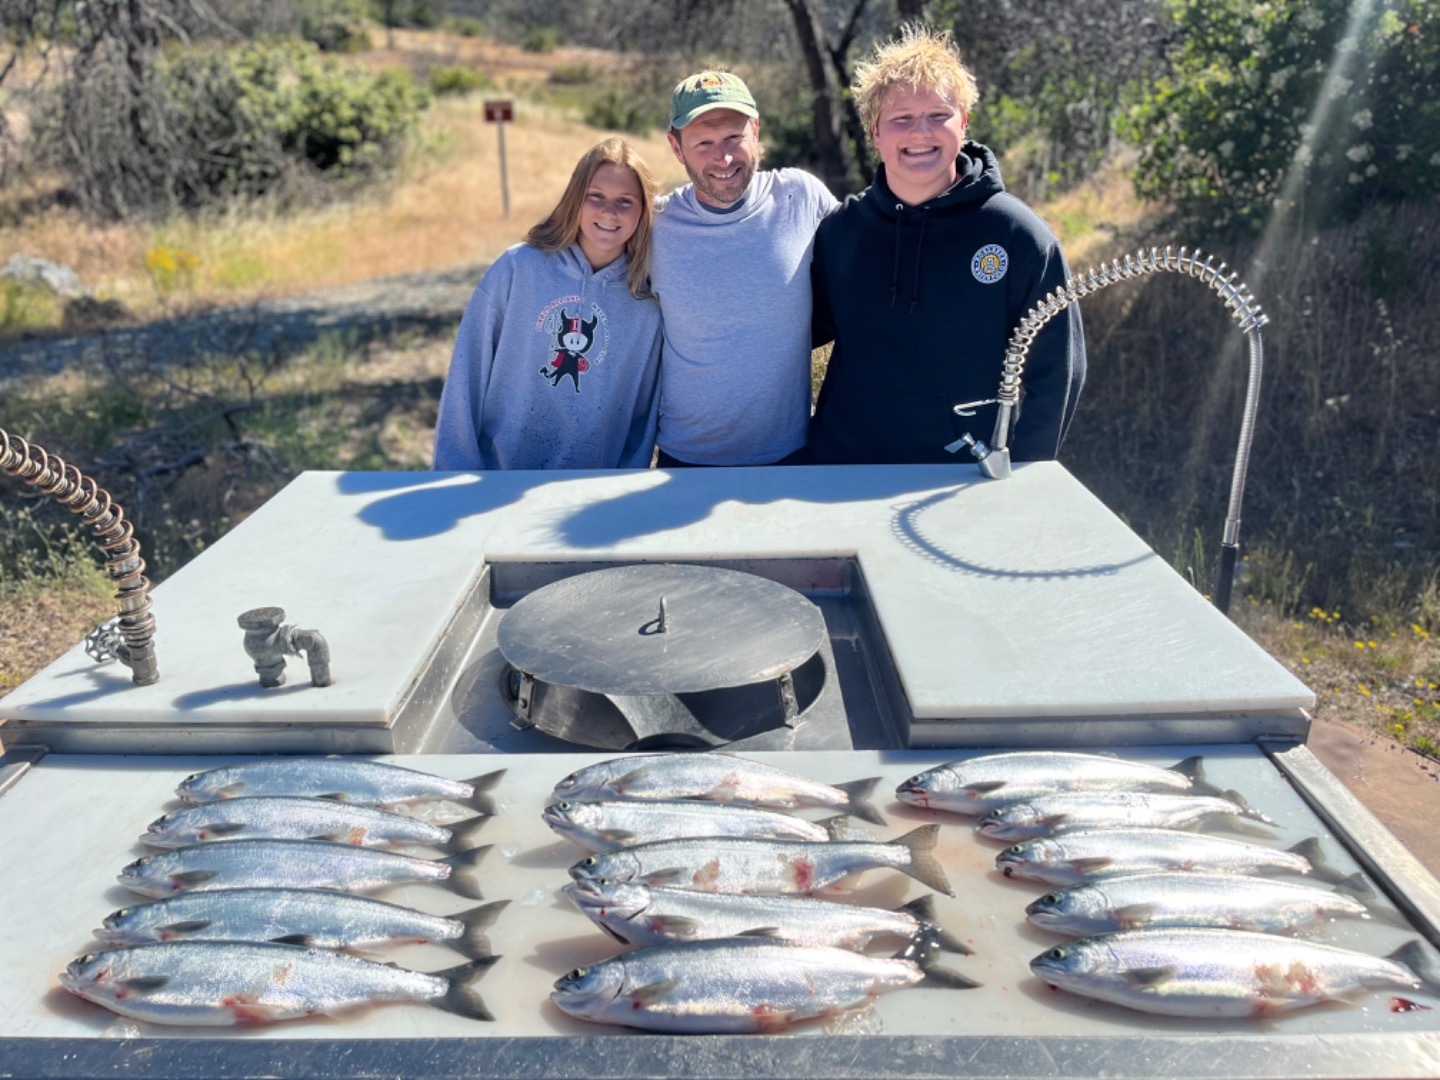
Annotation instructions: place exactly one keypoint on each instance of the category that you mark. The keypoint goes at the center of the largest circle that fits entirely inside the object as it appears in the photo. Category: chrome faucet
(994, 460)
(268, 641)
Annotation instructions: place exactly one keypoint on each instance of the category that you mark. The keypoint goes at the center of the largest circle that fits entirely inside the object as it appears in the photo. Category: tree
(1320, 106)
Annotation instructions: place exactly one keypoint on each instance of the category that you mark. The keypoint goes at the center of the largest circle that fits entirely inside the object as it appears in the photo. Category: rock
(58, 278)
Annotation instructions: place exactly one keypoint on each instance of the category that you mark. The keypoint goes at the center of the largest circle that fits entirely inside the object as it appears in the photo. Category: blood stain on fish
(1404, 1005)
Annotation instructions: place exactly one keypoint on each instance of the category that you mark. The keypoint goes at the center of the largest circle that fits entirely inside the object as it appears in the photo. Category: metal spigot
(129, 638)
(268, 641)
(1243, 309)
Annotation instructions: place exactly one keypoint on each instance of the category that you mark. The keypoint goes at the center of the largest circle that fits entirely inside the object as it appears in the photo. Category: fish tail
(1193, 769)
(923, 910)
(473, 941)
(465, 872)
(1355, 885)
(923, 866)
(1310, 850)
(1414, 958)
(465, 836)
(480, 800)
(922, 952)
(463, 998)
(857, 800)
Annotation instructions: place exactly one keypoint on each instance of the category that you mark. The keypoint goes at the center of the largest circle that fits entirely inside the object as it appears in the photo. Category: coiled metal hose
(65, 483)
(1243, 309)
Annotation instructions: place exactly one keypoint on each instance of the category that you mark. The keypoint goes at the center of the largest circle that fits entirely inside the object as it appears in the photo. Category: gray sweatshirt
(735, 290)
(554, 368)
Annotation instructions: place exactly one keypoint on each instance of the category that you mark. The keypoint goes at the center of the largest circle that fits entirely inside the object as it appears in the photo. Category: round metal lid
(657, 628)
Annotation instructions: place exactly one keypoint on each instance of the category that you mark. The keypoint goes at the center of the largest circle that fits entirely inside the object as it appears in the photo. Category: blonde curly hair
(922, 58)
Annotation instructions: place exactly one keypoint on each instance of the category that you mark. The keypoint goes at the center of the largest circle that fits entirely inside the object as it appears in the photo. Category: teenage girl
(555, 365)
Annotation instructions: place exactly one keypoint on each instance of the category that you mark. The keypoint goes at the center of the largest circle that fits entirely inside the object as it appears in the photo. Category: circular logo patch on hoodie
(989, 264)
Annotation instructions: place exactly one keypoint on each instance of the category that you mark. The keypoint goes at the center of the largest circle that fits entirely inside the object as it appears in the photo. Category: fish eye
(1057, 953)
(1051, 898)
(563, 806)
(589, 861)
(123, 913)
(190, 779)
(578, 973)
(86, 958)
(1018, 849)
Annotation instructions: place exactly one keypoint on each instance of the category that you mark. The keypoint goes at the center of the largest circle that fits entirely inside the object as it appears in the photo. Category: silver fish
(1074, 857)
(637, 914)
(227, 983)
(1173, 899)
(604, 826)
(291, 817)
(1051, 814)
(735, 985)
(353, 780)
(1224, 973)
(311, 917)
(714, 777)
(296, 864)
(728, 864)
(975, 785)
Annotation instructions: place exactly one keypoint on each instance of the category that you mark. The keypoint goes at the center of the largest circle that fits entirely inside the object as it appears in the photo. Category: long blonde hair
(561, 228)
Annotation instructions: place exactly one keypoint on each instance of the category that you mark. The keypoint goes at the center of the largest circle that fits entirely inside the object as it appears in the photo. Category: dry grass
(445, 209)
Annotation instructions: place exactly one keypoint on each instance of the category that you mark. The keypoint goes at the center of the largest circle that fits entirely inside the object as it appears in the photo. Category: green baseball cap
(710, 90)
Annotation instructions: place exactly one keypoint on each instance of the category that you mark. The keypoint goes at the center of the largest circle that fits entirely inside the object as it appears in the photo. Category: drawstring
(919, 247)
(895, 266)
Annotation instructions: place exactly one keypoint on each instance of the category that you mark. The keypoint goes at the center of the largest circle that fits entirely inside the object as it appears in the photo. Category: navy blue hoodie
(920, 302)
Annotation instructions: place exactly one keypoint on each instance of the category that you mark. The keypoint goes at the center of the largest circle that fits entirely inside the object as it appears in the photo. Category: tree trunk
(911, 11)
(829, 106)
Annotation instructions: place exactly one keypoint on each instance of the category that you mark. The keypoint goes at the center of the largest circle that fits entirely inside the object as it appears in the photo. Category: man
(730, 263)
(921, 280)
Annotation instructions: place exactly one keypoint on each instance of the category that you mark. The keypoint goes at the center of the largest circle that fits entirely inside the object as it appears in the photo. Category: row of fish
(1167, 921)
(695, 861)
(249, 929)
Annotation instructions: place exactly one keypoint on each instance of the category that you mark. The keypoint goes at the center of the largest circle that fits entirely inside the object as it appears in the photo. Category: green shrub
(1293, 101)
(616, 110)
(573, 75)
(541, 39)
(457, 79)
(468, 26)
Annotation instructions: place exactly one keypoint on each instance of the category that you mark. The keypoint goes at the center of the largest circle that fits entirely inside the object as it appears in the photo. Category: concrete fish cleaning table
(957, 613)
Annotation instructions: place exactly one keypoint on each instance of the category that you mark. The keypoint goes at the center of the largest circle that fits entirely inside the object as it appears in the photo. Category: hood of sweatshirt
(977, 179)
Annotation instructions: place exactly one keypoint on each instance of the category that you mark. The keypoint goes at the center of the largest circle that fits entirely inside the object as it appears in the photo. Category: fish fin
(670, 875)
(923, 910)
(618, 837)
(190, 926)
(857, 800)
(334, 796)
(230, 791)
(144, 984)
(480, 801)
(1249, 811)
(191, 878)
(921, 951)
(305, 941)
(473, 941)
(1144, 978)
(465, 872)
(644, 995)
(635, 774)
(1355, 885)
(464, 836)
(1091, 864)
(1134, 916)
(227, 828)
(1413, 957)
(761, 932)
(924, 867)
(837, 827)
(1193, 769)
(674, 926)
(1310, 850)
(462, 998)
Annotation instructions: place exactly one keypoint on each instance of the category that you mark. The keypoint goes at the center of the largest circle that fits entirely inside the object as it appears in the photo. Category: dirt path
(431, 303)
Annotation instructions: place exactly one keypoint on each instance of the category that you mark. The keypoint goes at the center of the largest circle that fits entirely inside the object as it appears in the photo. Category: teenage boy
(921, 279)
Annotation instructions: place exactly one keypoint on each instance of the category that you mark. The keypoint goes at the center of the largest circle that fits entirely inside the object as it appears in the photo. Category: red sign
(499, 112)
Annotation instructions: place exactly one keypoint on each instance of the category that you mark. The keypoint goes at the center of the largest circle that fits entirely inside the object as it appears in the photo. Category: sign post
(501, 113)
